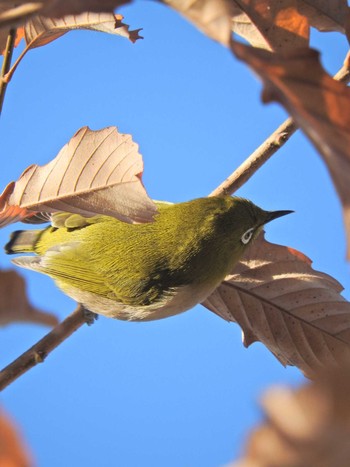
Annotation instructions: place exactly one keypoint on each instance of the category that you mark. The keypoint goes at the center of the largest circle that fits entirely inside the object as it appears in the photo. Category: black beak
(271, 215)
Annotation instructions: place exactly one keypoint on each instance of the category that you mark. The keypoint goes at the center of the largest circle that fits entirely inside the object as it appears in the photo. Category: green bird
(147, 271)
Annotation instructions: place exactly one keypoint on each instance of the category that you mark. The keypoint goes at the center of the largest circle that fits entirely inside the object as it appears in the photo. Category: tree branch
(41, 349)
(10, 45)
(270, 146)
(258, 158)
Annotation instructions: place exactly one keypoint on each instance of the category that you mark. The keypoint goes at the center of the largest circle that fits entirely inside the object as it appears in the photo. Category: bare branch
(41, 349)
(258, 158)
(10, 45)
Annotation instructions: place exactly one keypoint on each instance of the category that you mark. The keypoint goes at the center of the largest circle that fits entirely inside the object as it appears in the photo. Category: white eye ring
(246, 237)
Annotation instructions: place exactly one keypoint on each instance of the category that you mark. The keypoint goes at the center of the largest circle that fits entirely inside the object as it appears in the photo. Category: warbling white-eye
(144, 271)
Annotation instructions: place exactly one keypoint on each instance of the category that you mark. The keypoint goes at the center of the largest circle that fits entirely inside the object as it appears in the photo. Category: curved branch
(257, 159)
(6, 64)
(42, 348)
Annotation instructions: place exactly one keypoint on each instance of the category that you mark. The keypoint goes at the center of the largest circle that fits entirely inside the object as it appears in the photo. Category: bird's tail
(22, 241)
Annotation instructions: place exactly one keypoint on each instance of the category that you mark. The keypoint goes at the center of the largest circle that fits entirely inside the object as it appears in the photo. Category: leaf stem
(10, 44)
(42, 348)
(8, 76)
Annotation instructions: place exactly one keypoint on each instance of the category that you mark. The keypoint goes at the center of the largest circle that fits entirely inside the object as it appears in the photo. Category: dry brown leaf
(284, 24)
(40, 31)
(272, 25)
(278, 299)
(97, 172)
(12, 451)
(59, 8)
(14, 304)
(319, 104)
(326, 15)
(213, 17)
(308, 427)
(17, 13)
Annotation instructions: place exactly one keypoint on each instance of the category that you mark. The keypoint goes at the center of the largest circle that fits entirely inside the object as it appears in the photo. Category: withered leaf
(278, 299)
(309, 426)
(17, 13)
(213, 17)
(74, 7)
(271, 25)
(13, 453)
(40, 30)
(14, 303)
(96, 172)
(319, 104)
(325, 15)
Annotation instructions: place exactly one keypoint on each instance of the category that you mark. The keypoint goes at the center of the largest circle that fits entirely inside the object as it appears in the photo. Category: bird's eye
(246, 237)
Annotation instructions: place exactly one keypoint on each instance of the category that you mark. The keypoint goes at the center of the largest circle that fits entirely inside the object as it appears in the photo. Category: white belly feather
(175, 302)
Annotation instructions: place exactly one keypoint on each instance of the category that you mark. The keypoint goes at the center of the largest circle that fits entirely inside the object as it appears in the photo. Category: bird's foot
(90, 316)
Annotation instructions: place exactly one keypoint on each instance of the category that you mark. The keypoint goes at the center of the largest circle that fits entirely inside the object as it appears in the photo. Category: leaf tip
(248, 338)
(135, 36)
(6, 194)
(299, 255)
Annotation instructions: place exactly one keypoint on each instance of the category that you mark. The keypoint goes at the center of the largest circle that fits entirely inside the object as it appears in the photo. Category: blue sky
(181, 391)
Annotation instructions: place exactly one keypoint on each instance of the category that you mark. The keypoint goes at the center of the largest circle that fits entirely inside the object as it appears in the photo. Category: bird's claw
(90, 316)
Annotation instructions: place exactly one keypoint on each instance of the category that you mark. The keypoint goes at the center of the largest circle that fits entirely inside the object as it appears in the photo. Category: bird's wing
(58, 219)
(69, 220)
(61, 264)
(65, 219)
(70, 270)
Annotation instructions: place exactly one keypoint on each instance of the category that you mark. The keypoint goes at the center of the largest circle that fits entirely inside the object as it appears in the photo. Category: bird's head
(239, 221)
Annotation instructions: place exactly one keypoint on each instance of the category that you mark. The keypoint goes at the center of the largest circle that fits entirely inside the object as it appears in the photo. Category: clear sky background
(181, 392)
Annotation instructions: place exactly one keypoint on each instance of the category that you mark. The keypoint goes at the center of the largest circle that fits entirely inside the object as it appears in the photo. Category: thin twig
(270, 146)
(10, 44)
(256, 159)
(41, 349)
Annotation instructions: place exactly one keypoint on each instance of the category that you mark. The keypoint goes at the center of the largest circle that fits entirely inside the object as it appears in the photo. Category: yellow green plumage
(143, 271)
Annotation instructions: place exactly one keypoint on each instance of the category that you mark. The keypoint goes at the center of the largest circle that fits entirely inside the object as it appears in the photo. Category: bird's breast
(173, 302)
